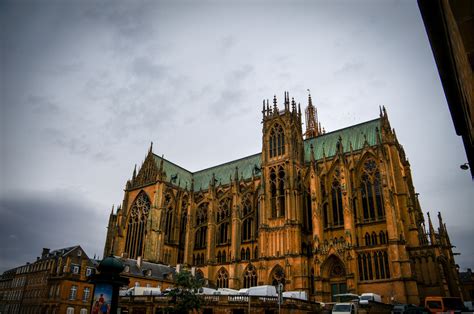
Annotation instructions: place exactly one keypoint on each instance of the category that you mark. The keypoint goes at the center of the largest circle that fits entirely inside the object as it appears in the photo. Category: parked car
(344, 308)
(373, 297)
(469, 305)
(409, 309)
(436, 304)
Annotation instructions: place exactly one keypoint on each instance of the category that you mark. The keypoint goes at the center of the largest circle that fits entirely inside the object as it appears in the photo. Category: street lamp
(464, 166)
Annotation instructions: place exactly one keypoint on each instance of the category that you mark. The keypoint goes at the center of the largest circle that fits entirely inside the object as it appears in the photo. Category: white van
(263, 291)
(366, 297)
(301, 295)
(344, 308)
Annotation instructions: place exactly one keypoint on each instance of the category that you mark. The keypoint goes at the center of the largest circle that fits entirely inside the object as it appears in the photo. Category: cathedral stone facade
(326, 213)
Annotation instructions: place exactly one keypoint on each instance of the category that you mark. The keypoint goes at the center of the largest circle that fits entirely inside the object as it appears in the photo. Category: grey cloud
(350, 67)
(74, 144)
(227, 43)
(41, 104)
(230, 98)
(32, 220)
(461, 238)
(67, 68)
(145, 67)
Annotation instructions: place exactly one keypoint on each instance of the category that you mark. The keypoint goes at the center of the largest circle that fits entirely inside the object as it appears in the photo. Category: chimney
(45, 252)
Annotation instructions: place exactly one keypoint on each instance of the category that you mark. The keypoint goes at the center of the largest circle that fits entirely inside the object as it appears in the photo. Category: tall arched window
(367, 239)
(182, 229)
(200, 239)
(277, 141)
(373, 265)
(247, 219)
(371, 192)
(277, 191)
(383, 238)
(169, 210)
(250, 276)
(374, 238)
(136, 225)
(337, 209)
(223, 219)
(223, 278)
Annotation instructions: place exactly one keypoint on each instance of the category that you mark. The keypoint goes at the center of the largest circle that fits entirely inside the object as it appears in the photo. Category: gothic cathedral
(326, 213)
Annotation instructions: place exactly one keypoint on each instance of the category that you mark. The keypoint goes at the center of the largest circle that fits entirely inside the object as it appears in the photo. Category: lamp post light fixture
(464, 166)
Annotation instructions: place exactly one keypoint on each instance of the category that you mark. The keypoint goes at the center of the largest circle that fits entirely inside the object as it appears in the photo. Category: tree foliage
(184, 295)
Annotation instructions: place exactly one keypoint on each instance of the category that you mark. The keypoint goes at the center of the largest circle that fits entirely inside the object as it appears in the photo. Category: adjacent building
(449, 25)
(55, 283)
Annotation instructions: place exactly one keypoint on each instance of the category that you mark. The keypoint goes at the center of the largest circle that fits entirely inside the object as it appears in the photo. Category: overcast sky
(87, 85)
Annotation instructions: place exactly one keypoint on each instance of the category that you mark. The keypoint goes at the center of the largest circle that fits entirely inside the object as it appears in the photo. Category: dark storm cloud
(32, 220)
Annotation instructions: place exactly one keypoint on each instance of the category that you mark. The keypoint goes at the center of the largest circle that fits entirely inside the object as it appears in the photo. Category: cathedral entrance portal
(334, 278)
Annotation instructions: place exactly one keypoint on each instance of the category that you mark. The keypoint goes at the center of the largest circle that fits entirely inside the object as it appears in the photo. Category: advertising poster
(102, 300)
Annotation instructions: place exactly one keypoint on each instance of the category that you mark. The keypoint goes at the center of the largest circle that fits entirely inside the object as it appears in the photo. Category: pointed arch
(370, 188)
(169, 205)
(183, 224)
(222, 278)
(137, 219)
(277, 191)
(277, 275)
(383, 238)
(223, 220)
(374, 238)
(248, 227)
(250, 276)
(276, 141)
(332, 267)
(367, 239)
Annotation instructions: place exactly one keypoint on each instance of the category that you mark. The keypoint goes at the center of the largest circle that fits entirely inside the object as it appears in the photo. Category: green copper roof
(355, 135)
(223, 172)
(183, 176)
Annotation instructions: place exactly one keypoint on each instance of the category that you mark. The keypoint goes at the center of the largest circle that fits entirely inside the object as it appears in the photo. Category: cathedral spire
(313, 127)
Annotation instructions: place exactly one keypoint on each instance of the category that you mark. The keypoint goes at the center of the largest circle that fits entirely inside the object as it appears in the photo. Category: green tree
(184, 295)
